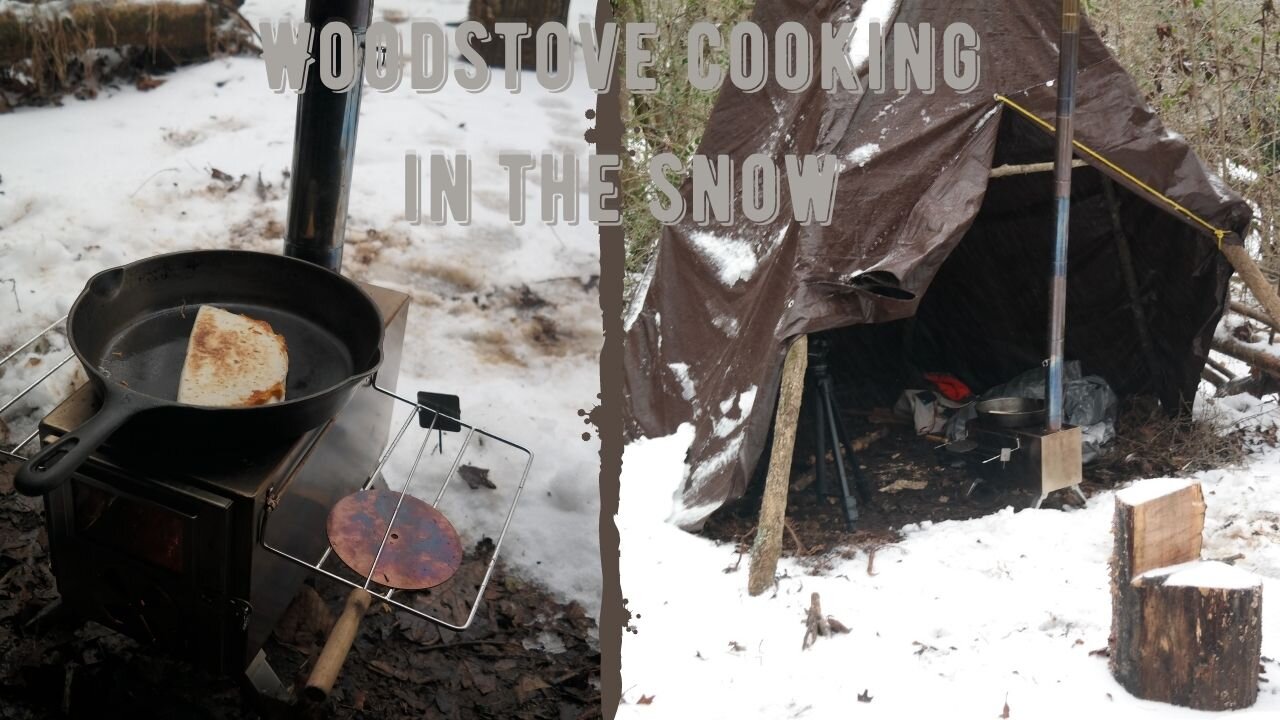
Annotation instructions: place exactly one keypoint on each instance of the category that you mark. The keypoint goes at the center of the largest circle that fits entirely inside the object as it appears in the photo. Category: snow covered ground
(98, 183)
(959, 618)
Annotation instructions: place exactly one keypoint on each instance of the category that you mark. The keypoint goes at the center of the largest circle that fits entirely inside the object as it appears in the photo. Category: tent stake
(1062, 192)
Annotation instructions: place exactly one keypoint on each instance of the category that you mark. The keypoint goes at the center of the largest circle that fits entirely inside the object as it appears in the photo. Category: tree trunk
(773, 509)
(1199, 637)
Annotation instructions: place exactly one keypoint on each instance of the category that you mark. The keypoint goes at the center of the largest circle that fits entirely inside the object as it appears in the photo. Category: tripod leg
(850, 504)
(861, 484)
(820, 440)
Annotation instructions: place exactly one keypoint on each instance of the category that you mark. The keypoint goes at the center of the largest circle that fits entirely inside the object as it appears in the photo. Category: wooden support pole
(1130, 276)
(1011, 170)
(1253, 278)
(767, 547)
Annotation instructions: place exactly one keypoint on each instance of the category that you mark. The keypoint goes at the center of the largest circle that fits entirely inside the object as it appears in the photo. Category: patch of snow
(681, 371)
(1205, 574)
(1147, 490)
(873, 11)
(733, 259)
(985, 118)
(863, 154)
(727, 324)
(1238, 172)
(724, 426)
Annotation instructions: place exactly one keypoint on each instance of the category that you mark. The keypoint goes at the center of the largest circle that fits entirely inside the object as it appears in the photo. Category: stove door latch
(241, 610)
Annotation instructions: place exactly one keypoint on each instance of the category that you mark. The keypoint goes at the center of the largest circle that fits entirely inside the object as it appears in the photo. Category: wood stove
(167, 549)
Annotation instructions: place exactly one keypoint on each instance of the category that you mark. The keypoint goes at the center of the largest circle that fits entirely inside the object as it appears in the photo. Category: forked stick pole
(337, 646)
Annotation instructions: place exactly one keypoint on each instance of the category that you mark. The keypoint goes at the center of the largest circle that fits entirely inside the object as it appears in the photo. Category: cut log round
(1198, 638)
(1157, 523)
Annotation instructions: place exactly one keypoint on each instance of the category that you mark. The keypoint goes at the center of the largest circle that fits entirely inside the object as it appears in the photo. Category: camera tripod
(829, 431)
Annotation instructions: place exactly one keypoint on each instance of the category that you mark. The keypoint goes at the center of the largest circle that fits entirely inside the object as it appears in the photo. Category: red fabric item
(950, 386)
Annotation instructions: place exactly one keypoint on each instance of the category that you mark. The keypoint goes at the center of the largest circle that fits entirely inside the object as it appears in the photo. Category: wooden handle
(336, 647)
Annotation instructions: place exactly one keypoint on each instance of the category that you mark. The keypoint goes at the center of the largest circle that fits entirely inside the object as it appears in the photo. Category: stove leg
(1080, 494)
(1039, 501)
(263, 682)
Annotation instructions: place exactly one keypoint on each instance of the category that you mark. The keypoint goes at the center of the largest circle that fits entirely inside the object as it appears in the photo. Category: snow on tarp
(905, 221)
(873, 11)
(1147, 490)
(1205, 574)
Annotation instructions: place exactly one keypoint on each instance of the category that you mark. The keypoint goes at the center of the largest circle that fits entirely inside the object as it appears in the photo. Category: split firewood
(818, 625)
(1183, 631)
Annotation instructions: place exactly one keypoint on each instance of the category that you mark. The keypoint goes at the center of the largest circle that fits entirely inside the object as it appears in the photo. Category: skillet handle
(53, 465)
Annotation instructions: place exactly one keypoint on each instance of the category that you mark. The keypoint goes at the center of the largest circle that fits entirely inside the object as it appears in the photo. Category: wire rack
(420, 411)
(15, 452)
(387, 595)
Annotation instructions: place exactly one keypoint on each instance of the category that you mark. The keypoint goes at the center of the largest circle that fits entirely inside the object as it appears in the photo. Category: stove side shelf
(387, 596)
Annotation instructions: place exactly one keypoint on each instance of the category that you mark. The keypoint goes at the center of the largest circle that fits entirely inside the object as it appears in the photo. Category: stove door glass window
(137, 528)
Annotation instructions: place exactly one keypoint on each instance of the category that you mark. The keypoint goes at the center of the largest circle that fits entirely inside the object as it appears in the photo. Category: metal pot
(1012, 412)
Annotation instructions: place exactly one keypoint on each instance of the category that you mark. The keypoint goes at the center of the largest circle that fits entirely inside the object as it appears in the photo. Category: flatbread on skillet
(233, 361)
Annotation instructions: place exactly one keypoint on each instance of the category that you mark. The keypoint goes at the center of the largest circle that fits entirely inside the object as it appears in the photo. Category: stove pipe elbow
(324, 143)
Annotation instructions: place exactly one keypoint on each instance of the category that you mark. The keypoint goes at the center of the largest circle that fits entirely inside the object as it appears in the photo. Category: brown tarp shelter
(922, 230)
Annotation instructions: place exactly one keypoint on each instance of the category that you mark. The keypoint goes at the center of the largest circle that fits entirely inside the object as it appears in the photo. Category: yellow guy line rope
(1217, 232)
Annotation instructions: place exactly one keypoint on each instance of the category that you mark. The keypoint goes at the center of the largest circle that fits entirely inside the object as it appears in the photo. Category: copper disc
(422, 550)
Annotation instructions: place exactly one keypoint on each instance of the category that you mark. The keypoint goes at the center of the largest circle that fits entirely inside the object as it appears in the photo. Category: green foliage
(671, 119)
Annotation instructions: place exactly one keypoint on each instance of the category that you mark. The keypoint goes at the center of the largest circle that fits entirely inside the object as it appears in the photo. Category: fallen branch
(1259, 359)
(182, 31)
(1252, 313)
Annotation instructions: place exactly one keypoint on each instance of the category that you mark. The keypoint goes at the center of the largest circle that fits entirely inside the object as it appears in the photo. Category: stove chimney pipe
(324, 144)
(1067, 60)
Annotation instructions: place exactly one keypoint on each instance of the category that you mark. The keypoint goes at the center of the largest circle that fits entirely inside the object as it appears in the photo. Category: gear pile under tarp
(921, 230)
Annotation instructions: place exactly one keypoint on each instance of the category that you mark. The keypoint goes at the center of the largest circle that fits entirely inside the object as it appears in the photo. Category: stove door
(149, 559)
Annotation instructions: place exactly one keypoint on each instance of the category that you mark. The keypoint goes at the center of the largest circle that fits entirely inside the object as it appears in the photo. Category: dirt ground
(527, 656)
(1148, 444)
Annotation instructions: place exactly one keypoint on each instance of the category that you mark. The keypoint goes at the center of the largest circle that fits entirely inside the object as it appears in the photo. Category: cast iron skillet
(129, 329)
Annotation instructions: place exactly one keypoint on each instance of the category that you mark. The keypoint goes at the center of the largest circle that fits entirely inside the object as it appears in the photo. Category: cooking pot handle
(51, 467)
